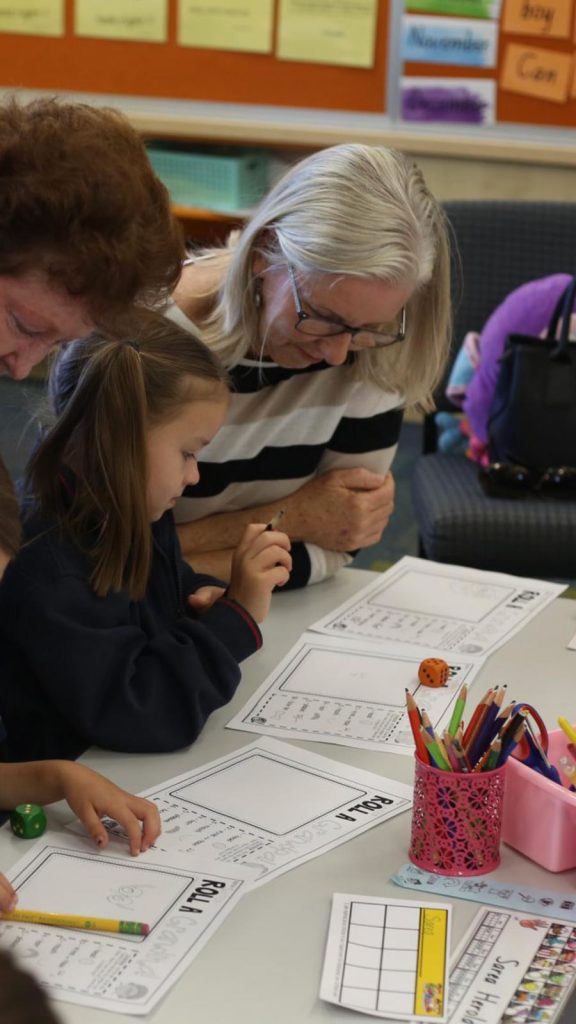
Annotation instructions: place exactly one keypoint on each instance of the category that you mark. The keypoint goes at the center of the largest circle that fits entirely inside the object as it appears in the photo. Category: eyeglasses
(509, 480)
(360, 337)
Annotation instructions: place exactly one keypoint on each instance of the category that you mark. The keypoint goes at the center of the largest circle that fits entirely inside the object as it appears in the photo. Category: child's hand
(203, 598)
(91, 796)
(261, 562)
(8, 897)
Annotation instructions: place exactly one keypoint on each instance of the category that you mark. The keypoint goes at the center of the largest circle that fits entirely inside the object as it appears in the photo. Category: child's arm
(88, 793)
(261, 562)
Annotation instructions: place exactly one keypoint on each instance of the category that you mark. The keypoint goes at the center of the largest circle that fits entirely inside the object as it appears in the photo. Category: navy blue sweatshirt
(77, 669)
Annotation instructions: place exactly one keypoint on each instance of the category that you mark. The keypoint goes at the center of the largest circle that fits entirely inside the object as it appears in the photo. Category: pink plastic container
(539, 815)
(456, 820)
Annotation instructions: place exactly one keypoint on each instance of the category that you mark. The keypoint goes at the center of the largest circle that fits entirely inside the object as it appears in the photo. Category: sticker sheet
(513, 968)
(183, 900)
(495, 891)
(388, 957)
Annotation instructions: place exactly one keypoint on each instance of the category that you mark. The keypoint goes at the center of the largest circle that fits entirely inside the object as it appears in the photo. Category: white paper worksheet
(334, 690)
(388, 958)
(271, 806)
(184, 900)
(427, 606)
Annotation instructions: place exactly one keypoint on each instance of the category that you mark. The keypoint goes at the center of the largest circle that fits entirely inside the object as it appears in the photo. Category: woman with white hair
(331, 310)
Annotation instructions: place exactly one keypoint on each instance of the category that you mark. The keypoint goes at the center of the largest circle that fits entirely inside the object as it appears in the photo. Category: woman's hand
(91, 796)
(341, 510)
(261, 562)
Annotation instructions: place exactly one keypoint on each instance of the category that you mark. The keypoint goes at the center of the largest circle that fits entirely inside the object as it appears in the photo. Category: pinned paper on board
(538, 72)
(44, 18)
(458, 41)
(129, 20)
(328, 31)
(551, 18)
(468, 101)
(236, 25)
(456, 8)
(388, 958)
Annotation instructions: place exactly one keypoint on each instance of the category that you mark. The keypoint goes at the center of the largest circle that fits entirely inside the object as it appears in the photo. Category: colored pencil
(458, 710)
(98, 924)
(276, 520)
(450, 752)
(493, 754)
(436, 755)
(485, 732)
(460, 754)
(427, 724)
(414, 719)
(513, 742)
(475, 719)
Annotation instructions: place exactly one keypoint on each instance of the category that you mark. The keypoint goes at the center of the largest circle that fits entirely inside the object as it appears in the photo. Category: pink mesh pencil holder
(456, 820)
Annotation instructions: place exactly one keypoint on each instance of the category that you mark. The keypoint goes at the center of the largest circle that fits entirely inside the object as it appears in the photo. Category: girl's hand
(203, 598)
(91, 796)
(8, 897)
(261, 562)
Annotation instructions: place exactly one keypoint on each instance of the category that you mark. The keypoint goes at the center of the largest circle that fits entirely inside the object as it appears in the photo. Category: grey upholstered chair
(501, 246)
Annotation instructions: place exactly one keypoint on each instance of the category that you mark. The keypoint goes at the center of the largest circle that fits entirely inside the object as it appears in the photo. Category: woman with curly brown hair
(85, 232)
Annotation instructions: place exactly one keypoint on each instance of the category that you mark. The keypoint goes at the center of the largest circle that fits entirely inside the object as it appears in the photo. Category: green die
(28, 821)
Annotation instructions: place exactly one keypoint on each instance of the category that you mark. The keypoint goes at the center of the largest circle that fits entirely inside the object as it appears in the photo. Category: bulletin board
(534, 70)
(169, 70)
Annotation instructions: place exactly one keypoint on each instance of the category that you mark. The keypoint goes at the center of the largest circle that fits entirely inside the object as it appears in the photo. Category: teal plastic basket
(223, 180)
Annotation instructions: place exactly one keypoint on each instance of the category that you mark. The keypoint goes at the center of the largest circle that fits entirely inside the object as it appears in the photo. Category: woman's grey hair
(359, 211)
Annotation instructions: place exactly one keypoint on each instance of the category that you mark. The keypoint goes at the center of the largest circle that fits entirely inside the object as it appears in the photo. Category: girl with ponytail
(109, 638)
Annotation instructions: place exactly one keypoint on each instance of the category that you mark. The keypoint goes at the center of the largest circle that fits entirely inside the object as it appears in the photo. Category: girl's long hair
(9, 514)
(355, 210)
(106, 390)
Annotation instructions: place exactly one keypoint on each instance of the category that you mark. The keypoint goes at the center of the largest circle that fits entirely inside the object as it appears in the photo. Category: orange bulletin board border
(512, 108)
(181, 72)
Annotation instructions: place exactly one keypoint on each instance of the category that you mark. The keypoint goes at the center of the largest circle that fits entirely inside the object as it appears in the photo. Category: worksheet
(271, 807)
(513, 968)
(183, 900)
(334, 690)
(427, 607)
(388, 958)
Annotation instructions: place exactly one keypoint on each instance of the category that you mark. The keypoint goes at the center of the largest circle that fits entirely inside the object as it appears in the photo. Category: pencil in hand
(276, 519)
(96, 924)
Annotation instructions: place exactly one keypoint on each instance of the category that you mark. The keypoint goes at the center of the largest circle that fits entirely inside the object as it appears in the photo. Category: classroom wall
(462, 178)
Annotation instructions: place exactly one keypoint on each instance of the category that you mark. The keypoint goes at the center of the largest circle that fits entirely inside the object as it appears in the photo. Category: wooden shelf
(207, 227)
(286, 134)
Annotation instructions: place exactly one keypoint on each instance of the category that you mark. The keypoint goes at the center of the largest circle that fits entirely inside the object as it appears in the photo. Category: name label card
(551, 18)
(533, 71)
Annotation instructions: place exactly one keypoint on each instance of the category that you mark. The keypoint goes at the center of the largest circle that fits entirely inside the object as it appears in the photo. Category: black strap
(563, 312)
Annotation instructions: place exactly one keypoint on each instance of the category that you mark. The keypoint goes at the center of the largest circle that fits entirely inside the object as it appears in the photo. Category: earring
(257, 293)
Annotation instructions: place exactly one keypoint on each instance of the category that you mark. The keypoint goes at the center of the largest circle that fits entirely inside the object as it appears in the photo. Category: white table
(263, 966)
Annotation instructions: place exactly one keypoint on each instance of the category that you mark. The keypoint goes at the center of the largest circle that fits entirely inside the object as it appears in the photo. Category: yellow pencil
(568, 729)
(96, 924)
